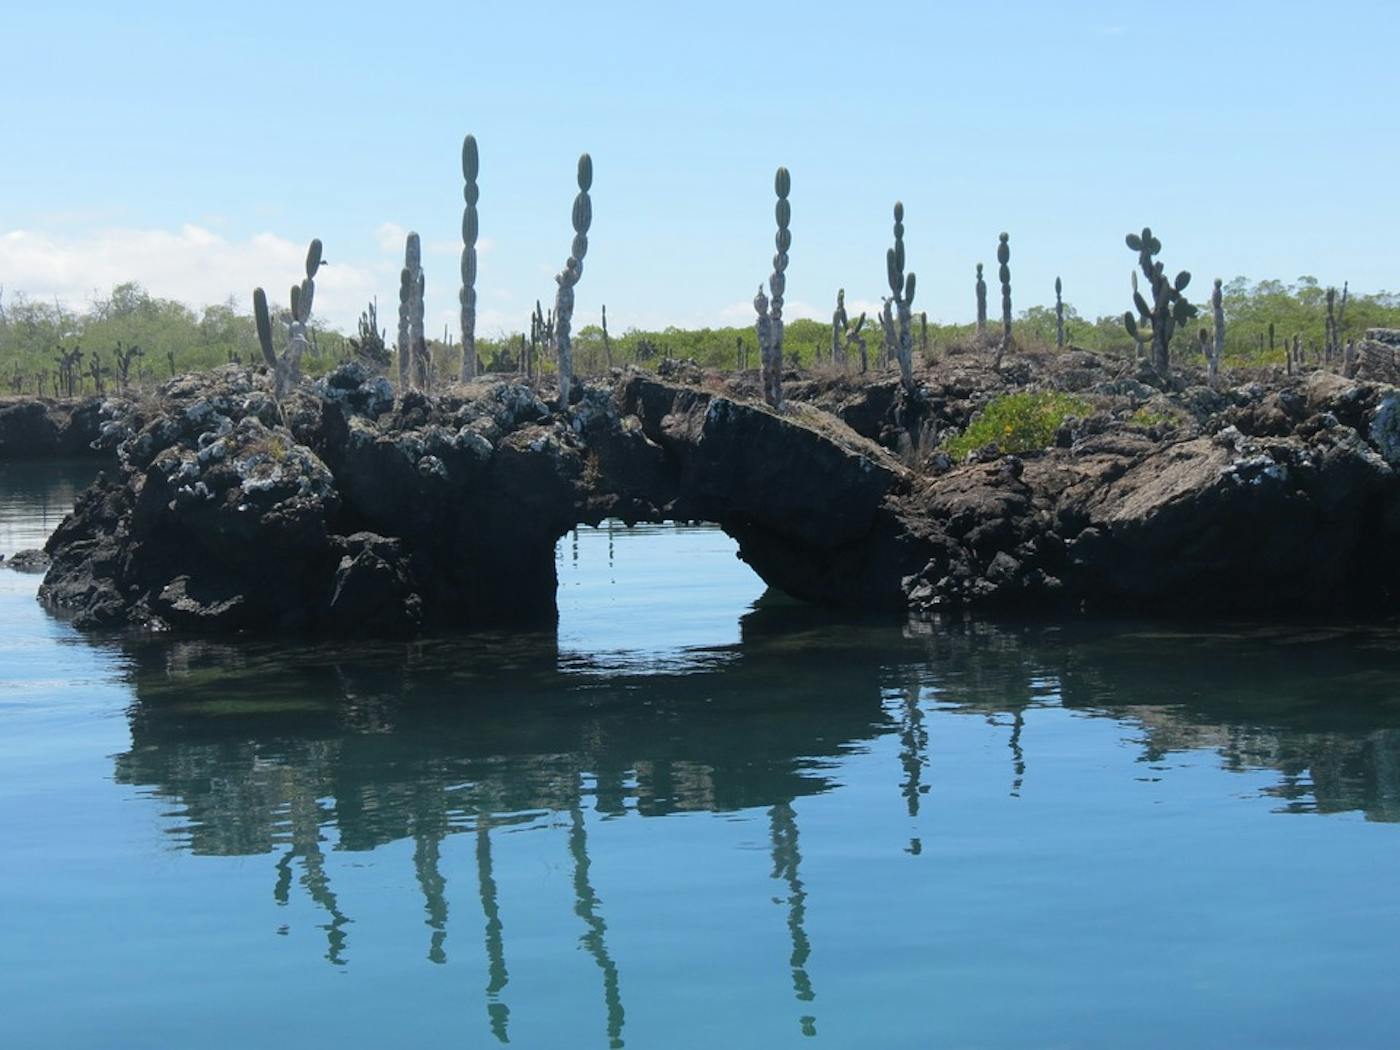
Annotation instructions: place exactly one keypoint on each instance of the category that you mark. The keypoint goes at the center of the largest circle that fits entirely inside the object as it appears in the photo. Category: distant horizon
(195, 157)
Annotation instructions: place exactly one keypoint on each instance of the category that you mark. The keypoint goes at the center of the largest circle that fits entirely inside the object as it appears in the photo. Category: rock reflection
(267, 749)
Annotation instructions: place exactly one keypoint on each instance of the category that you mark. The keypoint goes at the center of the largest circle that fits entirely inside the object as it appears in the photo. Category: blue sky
(198, 151)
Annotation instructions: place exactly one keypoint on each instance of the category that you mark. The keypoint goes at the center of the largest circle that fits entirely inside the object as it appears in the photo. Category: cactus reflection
(494, 736)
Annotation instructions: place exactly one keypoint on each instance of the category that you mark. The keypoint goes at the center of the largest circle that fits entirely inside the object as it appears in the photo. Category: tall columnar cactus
(573, 270)
(1136, 334)
(607, 341)
(901, 295)
(1217, 308)
(412, 344)
(1004, 273)
(286, 369)
(471, 165)
(1332, 343)
(839, 321)
(422, 358)
(1059, 316)
(770, 312)
(981, 301)
(405, 348)
(1169, 307)
(1271, 336)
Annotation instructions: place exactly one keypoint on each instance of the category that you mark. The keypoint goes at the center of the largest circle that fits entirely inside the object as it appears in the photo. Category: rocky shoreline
(45, 428)
(346, 510)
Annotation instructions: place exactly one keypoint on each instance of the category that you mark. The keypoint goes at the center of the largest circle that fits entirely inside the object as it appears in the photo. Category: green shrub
(1150, 417)
(1024, 422)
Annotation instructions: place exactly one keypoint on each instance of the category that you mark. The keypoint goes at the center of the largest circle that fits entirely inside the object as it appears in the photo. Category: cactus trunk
(1004, 273)
(568, 279)
(470, 167)
(901, 296)
(769, 324)
(981, 302)
(1059, 317)
(1217, 307)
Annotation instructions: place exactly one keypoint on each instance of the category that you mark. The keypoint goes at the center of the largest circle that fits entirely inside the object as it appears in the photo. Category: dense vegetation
(1020, 422)
(174, 338)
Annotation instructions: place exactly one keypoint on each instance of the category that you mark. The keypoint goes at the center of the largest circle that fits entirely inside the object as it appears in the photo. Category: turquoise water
(696, 817)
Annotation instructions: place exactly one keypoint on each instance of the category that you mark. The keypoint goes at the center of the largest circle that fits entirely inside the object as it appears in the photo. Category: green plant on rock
(1157, 321)
(1021, 422)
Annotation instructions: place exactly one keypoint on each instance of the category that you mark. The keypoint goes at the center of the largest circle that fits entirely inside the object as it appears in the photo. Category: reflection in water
(264, 747)
(913, 757)
(580, 774)
(786, 859)
(497, 975)
(34, 497)
(586, 905)
(427, 857)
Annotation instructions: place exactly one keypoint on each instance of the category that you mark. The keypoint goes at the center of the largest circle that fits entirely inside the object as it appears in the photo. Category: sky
(198, 151)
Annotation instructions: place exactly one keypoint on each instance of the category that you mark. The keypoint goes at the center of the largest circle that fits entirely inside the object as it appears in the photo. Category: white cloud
(390, 236)
(742, 313)
(192, 265)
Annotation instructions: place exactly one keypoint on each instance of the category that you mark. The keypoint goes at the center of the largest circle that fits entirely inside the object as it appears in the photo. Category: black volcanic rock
(344, 511)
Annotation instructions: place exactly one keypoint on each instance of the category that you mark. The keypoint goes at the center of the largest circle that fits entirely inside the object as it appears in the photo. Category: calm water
(695, 818)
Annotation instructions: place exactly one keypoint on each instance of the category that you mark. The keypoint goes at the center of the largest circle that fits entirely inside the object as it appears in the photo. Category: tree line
(37, 336)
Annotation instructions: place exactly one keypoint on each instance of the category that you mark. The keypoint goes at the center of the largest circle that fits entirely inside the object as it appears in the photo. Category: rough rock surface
(27, 561)
(344, 510)
(31, 428)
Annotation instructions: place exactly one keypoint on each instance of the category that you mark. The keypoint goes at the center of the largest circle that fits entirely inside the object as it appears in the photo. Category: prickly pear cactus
(854, 337)
(471, 165)
(568, 278)
(901, 295)
(286, 369)
(1169, 307)
(769, 325)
